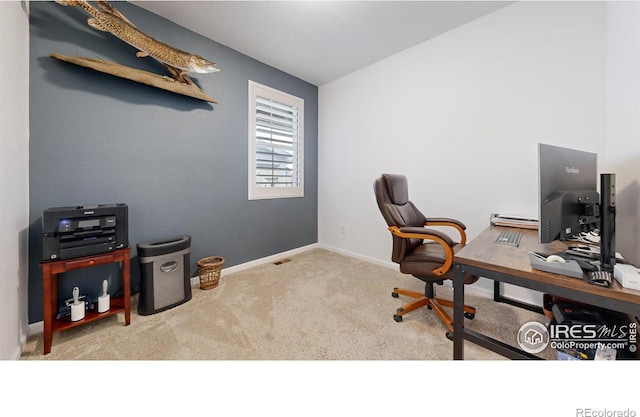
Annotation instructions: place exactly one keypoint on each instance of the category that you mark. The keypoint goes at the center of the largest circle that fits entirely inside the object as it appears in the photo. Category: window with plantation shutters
(275, 143)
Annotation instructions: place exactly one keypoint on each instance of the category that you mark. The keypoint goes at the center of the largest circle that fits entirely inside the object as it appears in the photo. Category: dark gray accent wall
(179, 163)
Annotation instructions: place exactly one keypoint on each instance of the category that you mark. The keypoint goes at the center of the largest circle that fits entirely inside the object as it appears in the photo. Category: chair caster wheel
(469, 316)
(449, 336)
(395, 295)
(397, 318)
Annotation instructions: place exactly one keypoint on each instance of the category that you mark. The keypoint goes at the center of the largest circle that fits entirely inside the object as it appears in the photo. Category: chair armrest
(422, 233)
(429, 234)
(445, 221)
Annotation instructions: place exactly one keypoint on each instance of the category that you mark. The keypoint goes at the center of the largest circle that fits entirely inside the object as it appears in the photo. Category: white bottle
(77, 308)
(104, 299)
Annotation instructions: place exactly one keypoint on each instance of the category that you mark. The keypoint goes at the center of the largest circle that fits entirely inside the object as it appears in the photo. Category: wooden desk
(50, 271)
(510, 264)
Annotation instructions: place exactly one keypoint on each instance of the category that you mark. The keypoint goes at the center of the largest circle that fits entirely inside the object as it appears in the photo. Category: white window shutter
(275, 143)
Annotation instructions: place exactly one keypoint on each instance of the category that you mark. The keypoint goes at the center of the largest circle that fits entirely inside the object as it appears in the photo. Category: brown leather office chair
(425, 253)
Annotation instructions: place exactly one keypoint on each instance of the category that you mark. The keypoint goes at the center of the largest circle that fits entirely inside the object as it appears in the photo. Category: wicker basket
(209, 270)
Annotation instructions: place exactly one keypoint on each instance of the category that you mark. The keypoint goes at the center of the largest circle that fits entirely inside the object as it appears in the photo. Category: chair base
(433, 303)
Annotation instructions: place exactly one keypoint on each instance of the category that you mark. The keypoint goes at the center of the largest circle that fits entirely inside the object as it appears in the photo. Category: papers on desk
(509, 220)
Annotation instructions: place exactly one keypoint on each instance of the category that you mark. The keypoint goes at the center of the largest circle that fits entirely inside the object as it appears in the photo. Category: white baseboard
(36, 328)
(386, 264)
(195, 280)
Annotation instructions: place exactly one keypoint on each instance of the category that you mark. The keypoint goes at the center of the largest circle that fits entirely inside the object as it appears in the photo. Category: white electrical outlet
(343, 229)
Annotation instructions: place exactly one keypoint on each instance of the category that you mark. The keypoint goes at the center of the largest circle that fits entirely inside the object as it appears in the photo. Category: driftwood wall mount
(178, 63)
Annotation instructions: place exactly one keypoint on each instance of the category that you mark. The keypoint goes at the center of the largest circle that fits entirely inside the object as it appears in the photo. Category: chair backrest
(392, 196)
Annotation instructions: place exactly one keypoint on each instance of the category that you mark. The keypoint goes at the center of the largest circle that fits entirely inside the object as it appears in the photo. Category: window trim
(258, 193)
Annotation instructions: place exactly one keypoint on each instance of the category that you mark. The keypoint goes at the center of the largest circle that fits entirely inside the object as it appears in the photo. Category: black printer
(73, 232)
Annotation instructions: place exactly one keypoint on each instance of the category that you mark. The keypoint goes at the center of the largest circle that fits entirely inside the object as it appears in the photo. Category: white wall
(623, 121)
(14, 177)
(461, 115)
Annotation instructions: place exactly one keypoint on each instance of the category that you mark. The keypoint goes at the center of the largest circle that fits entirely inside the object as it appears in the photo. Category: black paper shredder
(165, 279)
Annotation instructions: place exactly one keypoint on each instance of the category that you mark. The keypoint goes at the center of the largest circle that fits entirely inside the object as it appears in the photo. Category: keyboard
(509, 237)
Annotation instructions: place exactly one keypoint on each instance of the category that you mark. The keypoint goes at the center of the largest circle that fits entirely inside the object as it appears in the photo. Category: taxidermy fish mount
(179, 63)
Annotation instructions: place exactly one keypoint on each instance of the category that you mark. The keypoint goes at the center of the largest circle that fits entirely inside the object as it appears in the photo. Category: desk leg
(126, 283)
(458, 314)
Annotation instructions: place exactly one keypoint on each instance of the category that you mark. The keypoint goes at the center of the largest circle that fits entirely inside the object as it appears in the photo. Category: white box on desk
(627, 275)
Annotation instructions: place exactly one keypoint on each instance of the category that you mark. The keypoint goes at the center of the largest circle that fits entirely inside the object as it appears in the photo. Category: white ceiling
(320, 41)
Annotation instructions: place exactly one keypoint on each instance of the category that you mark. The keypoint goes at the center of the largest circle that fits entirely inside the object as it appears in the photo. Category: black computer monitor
(569, 202)
(568, 192)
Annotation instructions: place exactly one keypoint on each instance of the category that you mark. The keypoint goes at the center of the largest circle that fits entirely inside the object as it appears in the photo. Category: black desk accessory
(600, 278)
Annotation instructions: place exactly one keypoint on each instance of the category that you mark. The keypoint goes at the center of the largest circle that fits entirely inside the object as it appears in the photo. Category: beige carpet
(319, 305)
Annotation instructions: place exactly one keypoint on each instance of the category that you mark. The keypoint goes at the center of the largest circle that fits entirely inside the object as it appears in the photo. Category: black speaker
(607, 222)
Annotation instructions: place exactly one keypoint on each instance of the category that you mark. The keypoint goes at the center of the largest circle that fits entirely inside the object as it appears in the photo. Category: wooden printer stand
(50, 271)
